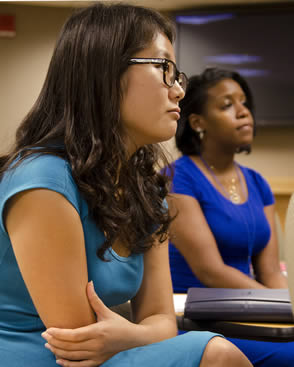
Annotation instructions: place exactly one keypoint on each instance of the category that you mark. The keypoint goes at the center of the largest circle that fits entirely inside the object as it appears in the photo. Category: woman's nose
(177, 91)
(243, 111)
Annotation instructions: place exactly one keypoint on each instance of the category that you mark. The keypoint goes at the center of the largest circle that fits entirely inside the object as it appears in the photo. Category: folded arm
(48, 241)
(153, 314)
(153, 308)
(192, 236)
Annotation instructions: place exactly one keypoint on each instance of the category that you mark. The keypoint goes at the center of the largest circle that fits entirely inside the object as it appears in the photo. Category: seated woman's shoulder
(255, 175)
(37, 167)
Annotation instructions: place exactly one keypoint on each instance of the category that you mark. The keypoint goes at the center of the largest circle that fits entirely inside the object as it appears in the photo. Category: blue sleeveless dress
(241, 231)
(21, 344)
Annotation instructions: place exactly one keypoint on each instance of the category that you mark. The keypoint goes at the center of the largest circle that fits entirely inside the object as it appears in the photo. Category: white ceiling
(164, 5)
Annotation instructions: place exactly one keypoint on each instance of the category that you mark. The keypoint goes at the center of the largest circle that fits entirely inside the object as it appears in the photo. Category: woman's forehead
(225, 87)
(160, 47)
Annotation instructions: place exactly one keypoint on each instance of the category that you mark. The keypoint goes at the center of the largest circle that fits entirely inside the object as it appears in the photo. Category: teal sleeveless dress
(21, 344)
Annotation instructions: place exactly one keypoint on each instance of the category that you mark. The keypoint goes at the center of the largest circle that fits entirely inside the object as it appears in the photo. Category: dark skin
(228, 125)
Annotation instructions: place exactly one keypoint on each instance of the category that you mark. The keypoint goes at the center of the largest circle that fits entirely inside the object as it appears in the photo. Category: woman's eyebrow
(230, 95)
(222, 96)
(164, 54)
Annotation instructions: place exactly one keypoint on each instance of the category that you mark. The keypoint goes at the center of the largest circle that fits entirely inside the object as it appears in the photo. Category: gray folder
(260, 305)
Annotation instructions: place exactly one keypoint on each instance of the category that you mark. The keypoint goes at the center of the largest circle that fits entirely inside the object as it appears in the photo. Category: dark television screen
(257, 44)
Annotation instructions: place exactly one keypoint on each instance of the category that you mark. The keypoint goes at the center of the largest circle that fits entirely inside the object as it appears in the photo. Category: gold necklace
(231, 191)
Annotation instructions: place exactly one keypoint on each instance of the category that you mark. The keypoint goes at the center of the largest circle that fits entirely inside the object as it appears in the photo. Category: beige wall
(23, 65)
(24, 61)
(272, 153)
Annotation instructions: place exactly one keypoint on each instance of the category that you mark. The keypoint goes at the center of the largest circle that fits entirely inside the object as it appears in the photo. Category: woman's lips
(176, 112)
(246, 127)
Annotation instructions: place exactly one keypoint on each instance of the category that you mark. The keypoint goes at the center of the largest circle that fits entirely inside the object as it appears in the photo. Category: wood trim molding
(281, 185)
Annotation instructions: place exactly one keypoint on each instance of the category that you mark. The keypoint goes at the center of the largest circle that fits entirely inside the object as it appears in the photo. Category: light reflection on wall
(233, 59)
(202, 19)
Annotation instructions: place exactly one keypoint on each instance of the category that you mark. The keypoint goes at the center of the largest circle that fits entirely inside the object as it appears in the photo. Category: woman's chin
(171, 131)
(246, 141)
(168, 137)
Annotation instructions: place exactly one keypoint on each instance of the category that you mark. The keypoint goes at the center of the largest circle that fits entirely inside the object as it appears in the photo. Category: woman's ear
(196, 122)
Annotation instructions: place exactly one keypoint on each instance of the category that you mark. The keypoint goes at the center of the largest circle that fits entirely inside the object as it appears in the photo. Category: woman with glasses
(224, 225)
(83, 207)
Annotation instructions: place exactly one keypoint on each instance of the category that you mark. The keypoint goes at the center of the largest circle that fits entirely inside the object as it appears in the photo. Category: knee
(219, 352)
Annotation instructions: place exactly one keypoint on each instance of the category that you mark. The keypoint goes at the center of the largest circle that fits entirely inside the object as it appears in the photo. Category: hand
(91, 345)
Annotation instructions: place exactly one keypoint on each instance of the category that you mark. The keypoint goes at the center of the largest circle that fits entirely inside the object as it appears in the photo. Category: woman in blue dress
(224, 233)
(82, 205)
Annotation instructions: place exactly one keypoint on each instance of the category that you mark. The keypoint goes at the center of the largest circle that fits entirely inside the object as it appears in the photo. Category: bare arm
(192, 236)
(266, 263)
(153, 305)
(48, 241)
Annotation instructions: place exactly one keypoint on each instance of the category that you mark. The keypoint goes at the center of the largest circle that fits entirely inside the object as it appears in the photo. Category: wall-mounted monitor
(257, 42)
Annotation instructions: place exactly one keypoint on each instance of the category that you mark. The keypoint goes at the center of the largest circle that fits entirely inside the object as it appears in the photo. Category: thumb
(98, 306)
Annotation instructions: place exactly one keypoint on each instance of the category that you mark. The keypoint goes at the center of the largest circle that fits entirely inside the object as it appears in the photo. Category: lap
(266, 354)
(184, 350)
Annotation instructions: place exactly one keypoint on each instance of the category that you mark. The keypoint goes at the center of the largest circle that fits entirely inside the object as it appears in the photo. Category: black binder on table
(259, 305)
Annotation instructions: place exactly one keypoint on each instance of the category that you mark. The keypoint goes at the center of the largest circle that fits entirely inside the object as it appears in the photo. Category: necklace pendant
(235, 198)
(230, 192)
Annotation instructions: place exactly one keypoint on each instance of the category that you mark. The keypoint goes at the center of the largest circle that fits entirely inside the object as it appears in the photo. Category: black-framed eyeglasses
(170, 72)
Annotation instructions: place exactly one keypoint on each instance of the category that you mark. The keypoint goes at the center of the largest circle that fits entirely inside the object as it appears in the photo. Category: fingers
(71, 335)
(67, 345)
(98, 306)
(75, 354)
(72, 355)
(66, 363)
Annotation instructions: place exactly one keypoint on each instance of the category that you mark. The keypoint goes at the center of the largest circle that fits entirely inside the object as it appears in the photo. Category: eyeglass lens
(171, 76)
(170, 73)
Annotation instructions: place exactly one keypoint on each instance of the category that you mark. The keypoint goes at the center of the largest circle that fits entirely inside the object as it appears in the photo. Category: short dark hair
(77, 116)
(188, 140)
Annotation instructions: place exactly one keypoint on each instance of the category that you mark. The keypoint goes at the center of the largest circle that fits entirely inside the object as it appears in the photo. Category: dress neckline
(119, 257)
(216, 190)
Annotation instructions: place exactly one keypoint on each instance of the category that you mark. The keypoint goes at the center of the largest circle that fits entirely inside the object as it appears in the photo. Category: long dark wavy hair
(188, 140)
(77, 117)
